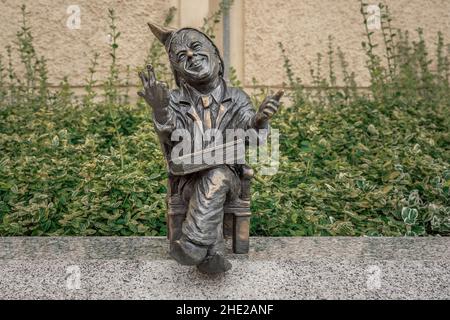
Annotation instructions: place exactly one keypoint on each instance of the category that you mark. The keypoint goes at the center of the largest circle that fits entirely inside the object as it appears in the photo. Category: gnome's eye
(197, 46)
(181, 57)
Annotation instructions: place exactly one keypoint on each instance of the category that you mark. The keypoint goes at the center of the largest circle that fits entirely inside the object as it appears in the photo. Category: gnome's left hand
(267, 109)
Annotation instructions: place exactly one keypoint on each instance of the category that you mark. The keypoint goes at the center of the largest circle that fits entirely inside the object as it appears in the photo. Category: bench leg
(174, 224)
(241, 234)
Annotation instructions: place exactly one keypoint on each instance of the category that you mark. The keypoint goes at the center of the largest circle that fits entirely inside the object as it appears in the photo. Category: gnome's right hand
(155, 93)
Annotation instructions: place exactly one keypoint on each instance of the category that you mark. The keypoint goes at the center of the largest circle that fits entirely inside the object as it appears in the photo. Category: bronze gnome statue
(202, 103)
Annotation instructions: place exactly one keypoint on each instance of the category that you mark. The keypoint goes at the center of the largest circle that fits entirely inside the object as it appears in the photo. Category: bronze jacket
(235, 111)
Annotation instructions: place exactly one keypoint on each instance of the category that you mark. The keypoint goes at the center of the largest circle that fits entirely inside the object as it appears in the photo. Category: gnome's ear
(162, 33)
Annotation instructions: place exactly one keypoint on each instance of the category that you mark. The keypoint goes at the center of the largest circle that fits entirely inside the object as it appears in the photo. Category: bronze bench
(237, 214)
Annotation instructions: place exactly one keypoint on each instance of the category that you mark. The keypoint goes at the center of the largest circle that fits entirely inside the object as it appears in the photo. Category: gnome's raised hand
(268, 108)
(155, 93)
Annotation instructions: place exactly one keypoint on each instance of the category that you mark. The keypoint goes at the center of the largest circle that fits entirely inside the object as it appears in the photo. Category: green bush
(351, 164)
(356, 169)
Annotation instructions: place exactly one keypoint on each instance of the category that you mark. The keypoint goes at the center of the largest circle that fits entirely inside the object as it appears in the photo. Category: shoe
(186, 253)
(214, 264)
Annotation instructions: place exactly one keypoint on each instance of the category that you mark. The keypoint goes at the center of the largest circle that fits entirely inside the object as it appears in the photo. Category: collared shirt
(207, 105)
(235, 111)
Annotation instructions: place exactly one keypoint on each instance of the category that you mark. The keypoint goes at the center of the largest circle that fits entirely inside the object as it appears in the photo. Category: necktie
(207, 122)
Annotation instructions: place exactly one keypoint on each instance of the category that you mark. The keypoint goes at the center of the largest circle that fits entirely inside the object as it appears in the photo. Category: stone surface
(276, 268)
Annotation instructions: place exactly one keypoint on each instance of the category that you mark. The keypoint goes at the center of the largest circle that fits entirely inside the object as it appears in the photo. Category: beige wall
(303, 26)
(69, 51)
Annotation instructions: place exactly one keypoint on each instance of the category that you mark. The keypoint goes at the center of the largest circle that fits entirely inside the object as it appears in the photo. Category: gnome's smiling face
(194, 57)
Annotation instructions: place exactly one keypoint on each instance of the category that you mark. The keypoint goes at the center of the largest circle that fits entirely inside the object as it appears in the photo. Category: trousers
(205, 193)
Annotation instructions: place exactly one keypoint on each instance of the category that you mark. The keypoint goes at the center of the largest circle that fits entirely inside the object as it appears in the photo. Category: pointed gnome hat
(162, 33)
(165, 36)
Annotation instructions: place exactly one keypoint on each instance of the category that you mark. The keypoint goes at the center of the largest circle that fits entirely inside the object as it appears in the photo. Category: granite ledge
(275, 268)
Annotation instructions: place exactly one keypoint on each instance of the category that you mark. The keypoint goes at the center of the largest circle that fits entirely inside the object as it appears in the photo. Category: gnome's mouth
(197, 64)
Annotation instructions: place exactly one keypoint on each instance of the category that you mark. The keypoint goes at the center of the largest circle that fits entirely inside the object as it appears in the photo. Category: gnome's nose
(190, 54)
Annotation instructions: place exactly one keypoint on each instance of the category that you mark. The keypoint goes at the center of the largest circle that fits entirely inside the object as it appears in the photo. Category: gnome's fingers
(151, 75)
(143, 78)
(268, 113)
(277, 96)
(162, 85)
(271, 107)
(270, 110)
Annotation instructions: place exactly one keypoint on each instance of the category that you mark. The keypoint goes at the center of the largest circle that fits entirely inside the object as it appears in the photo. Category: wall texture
(303, 26)
(69, 50)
